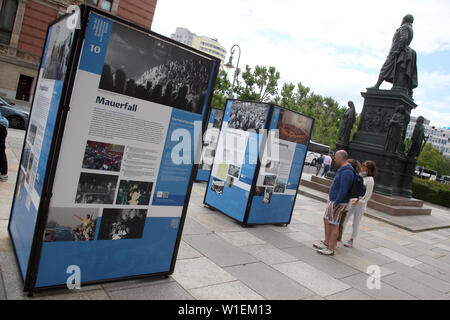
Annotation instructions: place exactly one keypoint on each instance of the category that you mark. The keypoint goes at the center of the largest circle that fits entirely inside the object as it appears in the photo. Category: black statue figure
(400, 67)
(417, 139)
(348, 120)
(395, 131)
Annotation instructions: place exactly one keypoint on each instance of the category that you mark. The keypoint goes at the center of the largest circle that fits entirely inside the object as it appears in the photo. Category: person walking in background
(356, 165)
(4, 125)
(358, 206)
(327, 160)
(338, 201)
(319, 164)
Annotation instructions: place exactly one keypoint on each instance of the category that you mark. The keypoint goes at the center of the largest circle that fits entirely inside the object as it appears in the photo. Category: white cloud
(335, 47)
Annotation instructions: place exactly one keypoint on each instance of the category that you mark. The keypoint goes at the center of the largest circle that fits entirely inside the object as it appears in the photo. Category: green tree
(222, 90)
(260, 84)
(432, 158)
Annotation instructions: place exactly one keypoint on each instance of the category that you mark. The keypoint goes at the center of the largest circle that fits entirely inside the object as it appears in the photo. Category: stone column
(14, 43)
(115, 7)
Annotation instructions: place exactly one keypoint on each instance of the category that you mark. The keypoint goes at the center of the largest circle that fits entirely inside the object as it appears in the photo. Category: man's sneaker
(3, 178)
(326, 252)
(349, 244)
(321, 245)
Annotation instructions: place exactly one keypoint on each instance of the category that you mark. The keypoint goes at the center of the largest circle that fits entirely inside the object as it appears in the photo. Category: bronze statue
(395, 131)
(348, 120)
(400, 67)
(417, 139)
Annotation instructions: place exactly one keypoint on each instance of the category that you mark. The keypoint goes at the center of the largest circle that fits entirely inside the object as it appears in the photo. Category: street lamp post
(229, 65)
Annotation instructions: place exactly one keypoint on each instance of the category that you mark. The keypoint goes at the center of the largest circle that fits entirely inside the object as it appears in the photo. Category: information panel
(125, 167)
(237, 157)
(210, 140)
(280, 172)
(38, 139)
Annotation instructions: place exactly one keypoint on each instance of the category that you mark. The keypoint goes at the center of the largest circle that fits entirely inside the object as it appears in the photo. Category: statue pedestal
(396, 171)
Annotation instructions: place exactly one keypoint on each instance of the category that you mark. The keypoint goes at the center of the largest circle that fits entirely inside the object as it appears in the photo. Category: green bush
(432, 191)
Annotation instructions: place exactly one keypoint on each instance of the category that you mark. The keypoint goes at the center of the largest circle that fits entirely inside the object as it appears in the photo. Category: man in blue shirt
(337, 203)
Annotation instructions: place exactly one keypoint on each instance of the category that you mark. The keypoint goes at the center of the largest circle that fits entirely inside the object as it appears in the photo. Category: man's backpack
(358, 188)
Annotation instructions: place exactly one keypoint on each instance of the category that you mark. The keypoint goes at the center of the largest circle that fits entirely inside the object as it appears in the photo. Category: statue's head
(420, 120)
(408, 19)
(351, 104)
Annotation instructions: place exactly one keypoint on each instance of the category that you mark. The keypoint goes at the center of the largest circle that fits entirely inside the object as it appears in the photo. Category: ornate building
(23, 26)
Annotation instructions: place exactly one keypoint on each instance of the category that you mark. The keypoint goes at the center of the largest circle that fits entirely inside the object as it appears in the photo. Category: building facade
(23, 26)
(438, 137)
(202, 43)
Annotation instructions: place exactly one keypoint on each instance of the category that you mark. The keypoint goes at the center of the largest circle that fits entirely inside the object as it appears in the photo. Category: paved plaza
(219, 259)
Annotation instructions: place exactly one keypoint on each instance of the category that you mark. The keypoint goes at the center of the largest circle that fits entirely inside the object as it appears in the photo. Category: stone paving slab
(218, 250)
(277, 239)
(325, 264)
(163, 291)
(235, 290)
(269, 254)
(414, 288)
(200, 272)
(386, 292)
(315, 280)
(350, 294)
(397, 257)
(187, 252)
(240, 238)
(2, 288)
(193, 227)
(269, 283)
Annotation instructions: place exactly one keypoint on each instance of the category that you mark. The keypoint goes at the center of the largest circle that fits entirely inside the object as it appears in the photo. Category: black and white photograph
(29, 167)
(269, 180)
(20, 185)
(58, 50)
(259, 191)
(280, 185)
(144, 67)
(103, 156)
(134, 193)
(71, 224)
(119, 224)
(234, 171)
(230, 181)
(96, 188)
(268, 195)
(272, 166)
(218, 117)
(294, 127)
(32, 134)
(247, 116)
(217, 186)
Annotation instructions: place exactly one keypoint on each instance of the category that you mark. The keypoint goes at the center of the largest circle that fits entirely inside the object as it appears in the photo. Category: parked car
(314, 152)
(17, 116)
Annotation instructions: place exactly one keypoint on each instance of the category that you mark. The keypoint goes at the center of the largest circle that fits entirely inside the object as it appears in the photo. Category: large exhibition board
(124, 167)
(210, 139)
(259, 162)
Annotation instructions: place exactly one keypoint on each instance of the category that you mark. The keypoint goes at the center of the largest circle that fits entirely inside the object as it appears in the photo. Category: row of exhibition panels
(120, 128)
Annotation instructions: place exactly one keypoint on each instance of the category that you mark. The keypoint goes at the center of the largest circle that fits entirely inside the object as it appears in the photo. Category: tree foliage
(432, 158)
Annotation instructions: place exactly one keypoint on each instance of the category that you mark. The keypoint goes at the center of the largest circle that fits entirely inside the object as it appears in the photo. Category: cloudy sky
(335, 47)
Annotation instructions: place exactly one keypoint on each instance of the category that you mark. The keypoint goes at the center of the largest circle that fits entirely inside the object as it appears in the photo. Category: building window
(7, 18)
(24, 88)
(102, 4)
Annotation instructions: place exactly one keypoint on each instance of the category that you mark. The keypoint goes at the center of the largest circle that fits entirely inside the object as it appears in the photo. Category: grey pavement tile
(445, 258)
(419, 276)
(269, 254)
(215, 221)
(347, 257)
(187, 252)
(200, 272)
(370, 255)
(275, 238)
(163, 291)
(193, 227)
(443, 246)
(400, 249)
(427, 252)
(314, 298)
(435, 262)
(310, 277)
(240, 238)
(269, 283)
(234, 290)
(128, 284)
(98, 294)
(386, 292)
(394, 255)
(2, 287)
(5, 241)
(350, 294)
(11, 279)
(444, 275)
(413, 288)
(219, 250)
(325, 264)
(302, 236)
(434, 235)
(391, 237)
